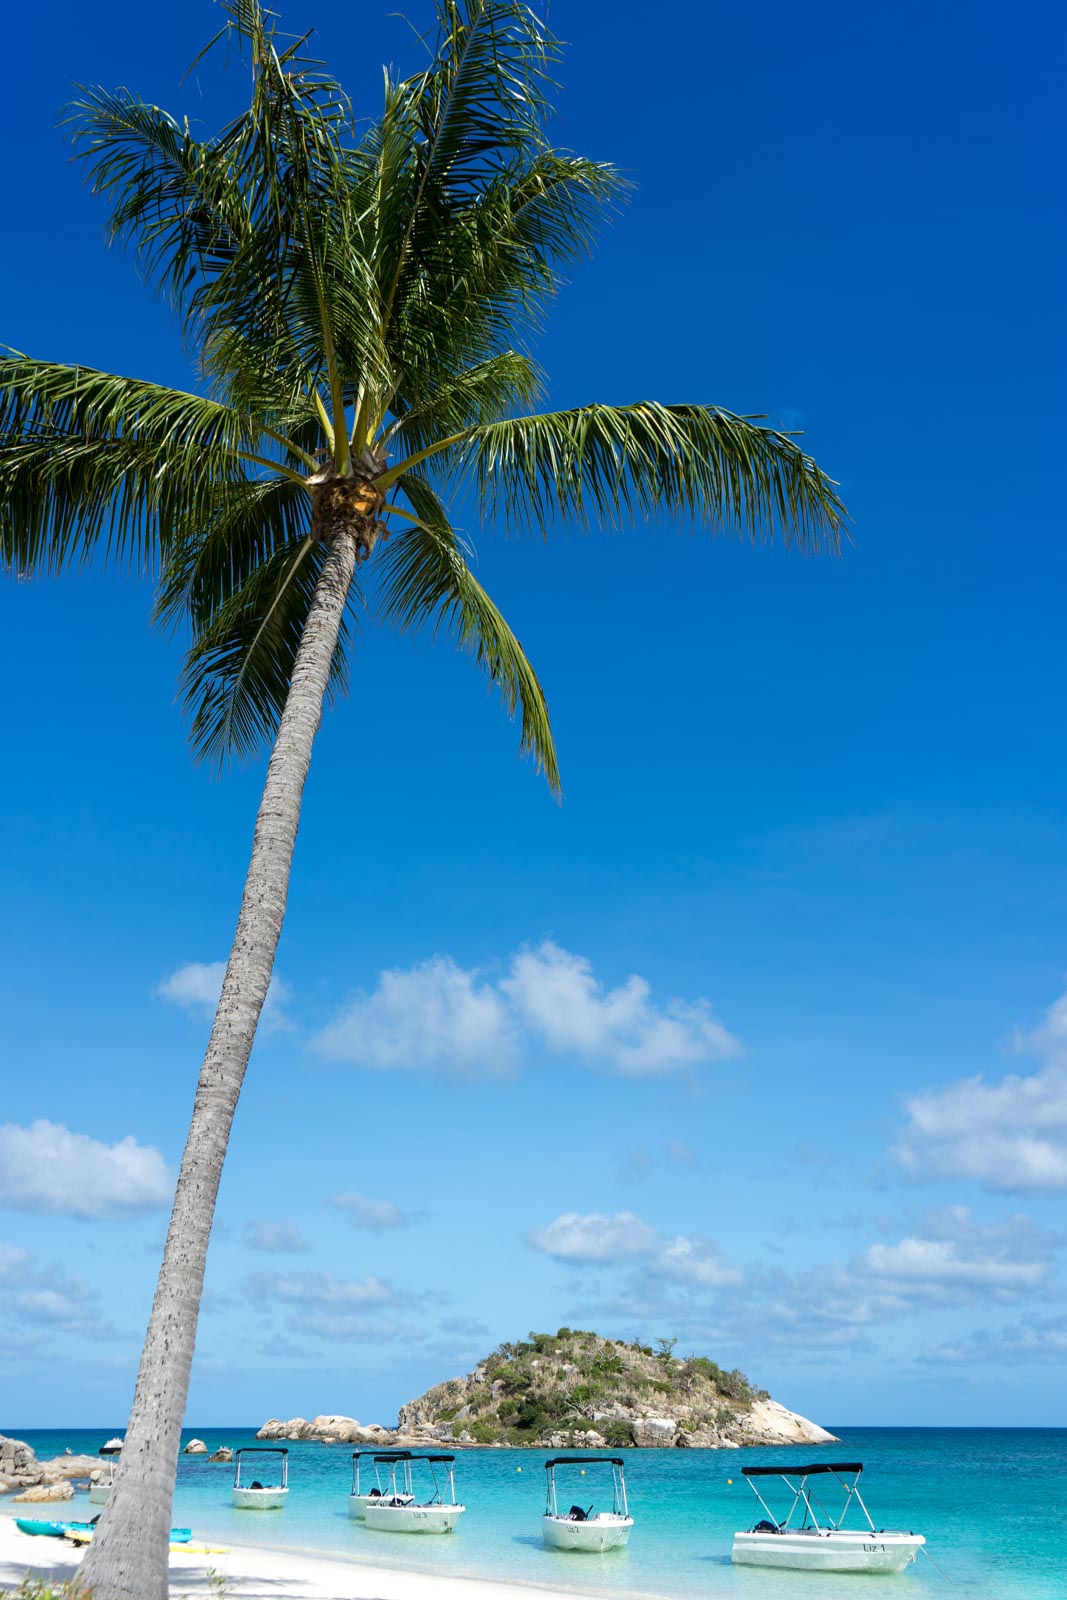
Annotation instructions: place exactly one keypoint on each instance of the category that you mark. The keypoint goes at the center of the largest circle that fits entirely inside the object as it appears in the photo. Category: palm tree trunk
(127, 1559)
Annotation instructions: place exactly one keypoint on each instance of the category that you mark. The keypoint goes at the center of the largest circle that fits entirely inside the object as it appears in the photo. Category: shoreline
(262, 1572)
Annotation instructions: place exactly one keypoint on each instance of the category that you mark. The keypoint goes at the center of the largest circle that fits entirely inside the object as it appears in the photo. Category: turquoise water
(991, 1502)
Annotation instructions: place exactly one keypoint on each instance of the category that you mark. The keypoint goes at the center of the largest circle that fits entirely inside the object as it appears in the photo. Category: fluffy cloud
(196, 986)
(595, 1237)
(597, 1240)
(435, 1015)
(557, 996)
(1041, 1339)
(1008, 1135)
(323, 1289)
(45, 1297)
(949, 1261)
(378, 1216)
(46, 1168)
(279, 1238)
(438, 1015)
(697, 1262)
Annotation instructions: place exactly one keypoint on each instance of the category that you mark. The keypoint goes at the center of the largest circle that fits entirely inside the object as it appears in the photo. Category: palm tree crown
(359, 310)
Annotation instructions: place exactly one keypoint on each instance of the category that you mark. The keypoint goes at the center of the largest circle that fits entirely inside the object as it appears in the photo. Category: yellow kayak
(83, 1536)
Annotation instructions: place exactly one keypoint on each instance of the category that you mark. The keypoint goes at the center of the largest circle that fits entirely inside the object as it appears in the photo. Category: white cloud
(436, 1015)
(949, 1261)
(440, 1016)
(323, 1289)
(595, 1237)
(556, 994)
(196, 986)
(280, 1238)
(1008, 1135)
(695, 1261)
(46, 1168)
(44, 1296)
(376, 1215)
(598, 1239)
(1041, 1339)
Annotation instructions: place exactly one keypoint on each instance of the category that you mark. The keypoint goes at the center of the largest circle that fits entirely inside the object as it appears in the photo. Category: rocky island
(573, 1390)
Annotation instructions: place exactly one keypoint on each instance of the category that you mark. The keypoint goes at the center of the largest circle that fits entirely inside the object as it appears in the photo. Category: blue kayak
(60, 1530)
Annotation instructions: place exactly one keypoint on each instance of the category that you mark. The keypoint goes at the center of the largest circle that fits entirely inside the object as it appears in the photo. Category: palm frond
(428, 582)
(87, 454)
(599, 464)
(251, 522)
(485, 392)
(238, 669)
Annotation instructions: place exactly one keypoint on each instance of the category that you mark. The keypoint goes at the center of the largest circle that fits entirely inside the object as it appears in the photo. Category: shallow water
(992, 1503)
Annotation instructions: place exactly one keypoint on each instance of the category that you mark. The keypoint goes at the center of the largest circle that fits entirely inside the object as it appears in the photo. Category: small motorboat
(582, 1527)
(818, 1542)
(112, 1448)
(259, 1495)
(99, 1491)
(360, 1494)
(399, 1511)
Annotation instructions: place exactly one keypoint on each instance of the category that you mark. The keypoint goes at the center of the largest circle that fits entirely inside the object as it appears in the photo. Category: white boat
(250, 1492)
(112, 1448)
(400, 1511)
(582, 1527)
(98, 1492)
(382, 1487)
(819, 1543)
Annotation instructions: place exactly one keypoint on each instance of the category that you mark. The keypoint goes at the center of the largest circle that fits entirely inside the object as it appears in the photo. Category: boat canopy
(802, 1472)
(380, 1455)
(406, 1455)
(583, 1461)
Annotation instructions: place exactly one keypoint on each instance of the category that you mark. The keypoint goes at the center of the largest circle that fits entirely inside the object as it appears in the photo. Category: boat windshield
(439, 1469)
(577, 1466)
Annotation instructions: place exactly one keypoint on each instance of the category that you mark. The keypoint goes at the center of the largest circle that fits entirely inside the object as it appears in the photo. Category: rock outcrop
(195, 1447)
(20, 1468)
(223, 1453)
(60, 1490)
(577, 1390)
(329, 1430)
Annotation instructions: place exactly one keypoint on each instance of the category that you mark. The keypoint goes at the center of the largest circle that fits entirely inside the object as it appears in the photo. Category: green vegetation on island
(574, 1389)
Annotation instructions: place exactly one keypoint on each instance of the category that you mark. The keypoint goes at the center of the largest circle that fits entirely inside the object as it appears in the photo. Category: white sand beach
(255, 1573)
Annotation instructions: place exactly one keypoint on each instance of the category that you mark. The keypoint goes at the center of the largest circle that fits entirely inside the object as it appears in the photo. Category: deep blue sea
(992, 1503)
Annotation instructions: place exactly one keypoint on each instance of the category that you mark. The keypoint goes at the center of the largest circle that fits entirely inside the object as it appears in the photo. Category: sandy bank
(253, 1573)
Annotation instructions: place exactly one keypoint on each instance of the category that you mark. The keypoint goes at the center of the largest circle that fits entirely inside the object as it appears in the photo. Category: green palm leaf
(602, 464)
(427, 581)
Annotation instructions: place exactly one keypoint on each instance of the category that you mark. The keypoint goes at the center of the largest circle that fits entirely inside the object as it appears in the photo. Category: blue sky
(781, 982)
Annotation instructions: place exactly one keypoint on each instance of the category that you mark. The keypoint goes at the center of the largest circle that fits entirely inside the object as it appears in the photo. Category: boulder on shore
(61, 1490)
(327, 1429)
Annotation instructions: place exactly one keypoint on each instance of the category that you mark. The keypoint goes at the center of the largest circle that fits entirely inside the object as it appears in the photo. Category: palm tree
(355, 304)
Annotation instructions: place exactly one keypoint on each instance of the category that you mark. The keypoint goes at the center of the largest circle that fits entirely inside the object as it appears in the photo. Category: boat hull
(98, 1493)
(604, 1532)
(259, 1499)
(412, 1518)
(828, 1552)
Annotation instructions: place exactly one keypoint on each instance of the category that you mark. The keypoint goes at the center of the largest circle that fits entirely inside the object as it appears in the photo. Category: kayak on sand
(63, 1530)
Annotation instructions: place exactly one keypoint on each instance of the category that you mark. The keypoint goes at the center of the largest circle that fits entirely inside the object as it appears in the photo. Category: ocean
(992, 1503)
